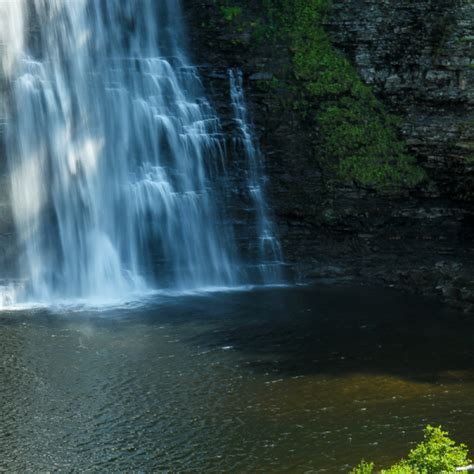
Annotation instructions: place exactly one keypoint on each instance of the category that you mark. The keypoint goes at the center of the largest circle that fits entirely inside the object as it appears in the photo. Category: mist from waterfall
(117, 159)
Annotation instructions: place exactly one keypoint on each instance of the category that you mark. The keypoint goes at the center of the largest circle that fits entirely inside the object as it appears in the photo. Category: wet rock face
(410, 50)
(418, 56)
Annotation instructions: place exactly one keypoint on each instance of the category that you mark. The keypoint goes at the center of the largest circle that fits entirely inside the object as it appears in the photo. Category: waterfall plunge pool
(275, 380)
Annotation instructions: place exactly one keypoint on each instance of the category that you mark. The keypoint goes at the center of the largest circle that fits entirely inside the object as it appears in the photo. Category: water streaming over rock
(116, 157)
(268, 253)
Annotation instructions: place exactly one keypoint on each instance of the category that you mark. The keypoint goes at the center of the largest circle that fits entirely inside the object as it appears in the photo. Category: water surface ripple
(272, 380)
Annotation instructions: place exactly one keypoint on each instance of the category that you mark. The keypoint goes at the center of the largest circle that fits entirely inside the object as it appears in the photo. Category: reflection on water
(305, 379)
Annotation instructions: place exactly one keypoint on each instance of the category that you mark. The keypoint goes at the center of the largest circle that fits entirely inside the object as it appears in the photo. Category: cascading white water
(117, 160)
(269, 256)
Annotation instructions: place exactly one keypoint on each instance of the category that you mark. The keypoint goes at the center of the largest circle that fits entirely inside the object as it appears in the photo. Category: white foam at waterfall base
(9, 295)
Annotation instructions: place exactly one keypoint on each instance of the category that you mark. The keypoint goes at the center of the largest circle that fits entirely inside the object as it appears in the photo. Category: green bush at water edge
(436, 454)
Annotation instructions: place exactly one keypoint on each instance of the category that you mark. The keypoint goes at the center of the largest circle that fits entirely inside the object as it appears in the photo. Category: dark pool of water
(274, 380)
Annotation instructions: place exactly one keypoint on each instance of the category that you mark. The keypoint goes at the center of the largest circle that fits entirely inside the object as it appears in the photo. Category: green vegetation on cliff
(231, 12)
(357, 137)
(436, 454)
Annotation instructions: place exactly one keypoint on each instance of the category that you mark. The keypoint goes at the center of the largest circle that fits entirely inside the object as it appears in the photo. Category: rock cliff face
(419, 56)
(418, 59)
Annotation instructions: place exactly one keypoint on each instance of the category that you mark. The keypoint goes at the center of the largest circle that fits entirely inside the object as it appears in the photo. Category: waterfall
(269, 256)
(117, 159)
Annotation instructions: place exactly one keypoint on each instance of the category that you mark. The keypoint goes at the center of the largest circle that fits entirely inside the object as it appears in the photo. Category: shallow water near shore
(305, 379)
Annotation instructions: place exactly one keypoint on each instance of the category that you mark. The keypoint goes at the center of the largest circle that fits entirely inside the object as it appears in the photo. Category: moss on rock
(357, 138)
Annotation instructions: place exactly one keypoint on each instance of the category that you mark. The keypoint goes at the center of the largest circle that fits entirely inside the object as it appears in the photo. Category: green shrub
(363, 468)
(436, 454)
(400, 468)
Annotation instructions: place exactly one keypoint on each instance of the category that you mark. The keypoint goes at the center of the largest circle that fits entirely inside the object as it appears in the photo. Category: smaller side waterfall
(268, 253)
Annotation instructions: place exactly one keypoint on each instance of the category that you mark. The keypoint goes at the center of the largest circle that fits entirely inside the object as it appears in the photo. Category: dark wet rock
(261, 76)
